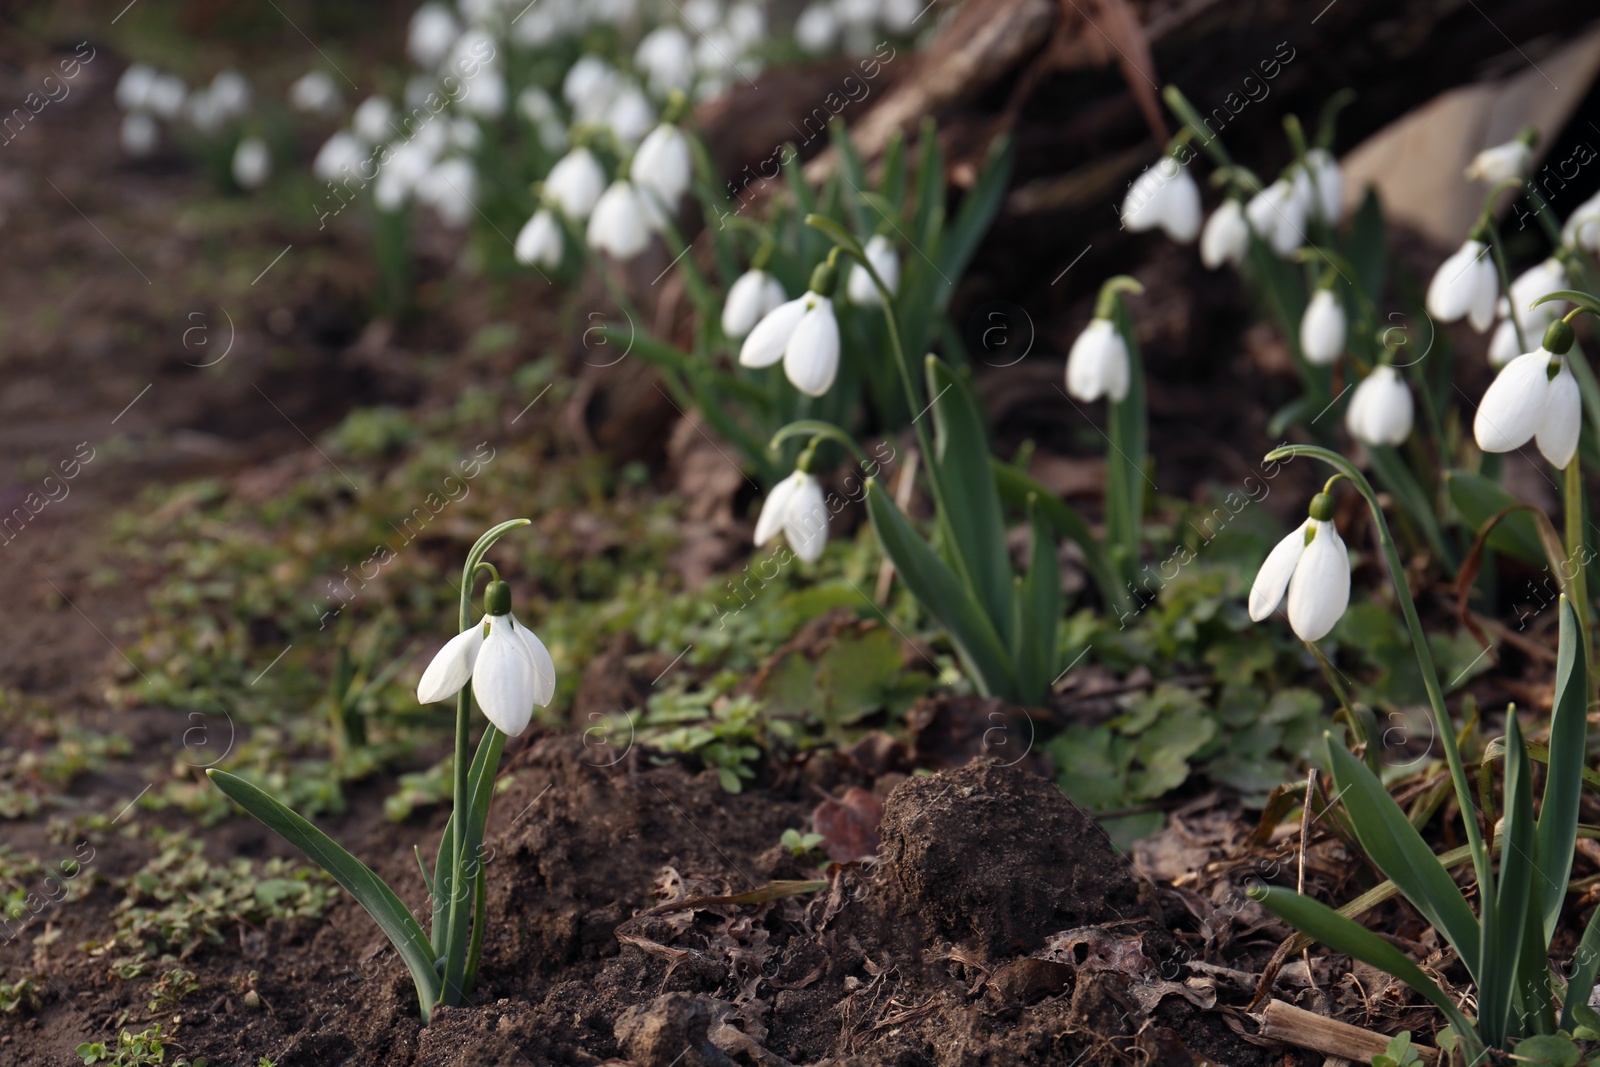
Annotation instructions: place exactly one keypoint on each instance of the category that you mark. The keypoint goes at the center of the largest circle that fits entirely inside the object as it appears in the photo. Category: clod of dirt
(996, 859)
(671, 1029)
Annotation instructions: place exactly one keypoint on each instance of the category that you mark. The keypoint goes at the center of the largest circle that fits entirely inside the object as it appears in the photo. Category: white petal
(1452, 290)
(1381, 411)
(663, 163)
(451, 666)
(1273, 577)
(776, 508)
(1098, 363)
(544, 668)
(1180, 214)
(1513, 406)
(811, 358)
(1563, 415)
(503, 679)
(620, 224)
(539, 241)
(1320, 589)
(805, 521)
(1322, 329)
(1485, 294)
(1226, 237)
(1503, 346)
(766, 342)
(743, 308)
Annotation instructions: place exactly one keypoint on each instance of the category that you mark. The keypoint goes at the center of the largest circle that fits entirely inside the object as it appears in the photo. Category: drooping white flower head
(621, 223)
(1327, 184)
(432, 31)
(486, 95)
(1534, 397)
(510, 669)
(1465, 285)
(817, 28)
(663, 165)
(1322, 329)
(753, 296)
(666, 58)
(1539, 280)
(859, 289)
(630, 115)
(1500, 163)
(230, 94)
(166, 97)
(1278, 215)
(803, 333)
(1312, 565)
(1380, 411)
(1165, 195)
(1226, 237)
(315, 92)
(575, 183)
(252, 163)
(450, 187)
(1097, 366)
(371, 119)
(139, 134)
(340, 155)
(133, 88)
(1582, 228)
(539, 242)
(797, 508)
(589, 80)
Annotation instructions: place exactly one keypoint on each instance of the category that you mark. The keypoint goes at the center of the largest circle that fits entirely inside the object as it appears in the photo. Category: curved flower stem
(1497, 250)
(818, 428)
(1419, 645)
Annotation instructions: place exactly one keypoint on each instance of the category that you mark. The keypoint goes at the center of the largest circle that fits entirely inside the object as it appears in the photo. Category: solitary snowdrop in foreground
(539, 243)
(1165, 195)
(663, 166)
(252, 163)
(1278, 215)
(1465, 285)
(510, 669)
(1534, 397)
(621, 223)
(1322, 329)
(1097, 366)
(1501, 163)
(1380, 411)
(796, 507)
(1226, 238)
(881, 254)
(752, 297)
(575, 183)
(803, 333)
(1312, 565)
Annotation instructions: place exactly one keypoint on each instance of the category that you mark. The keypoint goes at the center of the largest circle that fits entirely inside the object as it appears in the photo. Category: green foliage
(166, 991)
(800, 845)
(859, 674)
(21, 996)
(143, 1049)
(726, 734)
(1399, 1053)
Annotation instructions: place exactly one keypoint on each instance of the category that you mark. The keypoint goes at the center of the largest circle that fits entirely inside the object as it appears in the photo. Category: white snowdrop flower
(621, 223)
(663, 165)
(315, 92)
(536, 105)
(409, 162)
(881, 254)
(796, 508)
(139, 134)
(1097, 366)
(1312, 565)
(465, 134)
(1500, 163)
(166, 97)
(486, 95)
(510, 669)
(1226, 238)
(630, 115)
(803, 333)
(340, 154)
(613, 12)
(589, 77)
(666, 58)
(713, 56)
(575, 183)
(133, 88)
(746, 24)
(540, 243)
(701, 15)
(252, 163)
(1165, 195)
(432, 31)
(371, 119)
(1582, 228)
(900, 16)
(854, 13)
(753, 296)
(817, 28)
(450, 188)
(230, 94)
(538, 26)
(1465, 285)
(204, 112)
(1327, 182)
(1278, 216)
(1380, 411)
(1539, 280)
(1322, 329)
(1527, 401)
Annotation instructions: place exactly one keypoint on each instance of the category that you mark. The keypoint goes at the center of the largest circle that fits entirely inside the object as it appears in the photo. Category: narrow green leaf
(927, 222)
(854, 172)
(943, 595)
(972, 504)
(1505, 922)
(1040, 621)
(1585, 965)
(1563, 786)
(480, 786)
(1017, 486)
(1394, 845)
(1368, 250)
(979, 205)
(386, 909)
(1356, 941)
